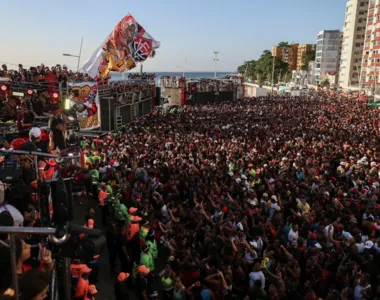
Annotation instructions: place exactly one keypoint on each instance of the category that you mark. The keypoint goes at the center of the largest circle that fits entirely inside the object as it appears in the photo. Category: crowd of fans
(128, 86)
(144, 76)
(276, 198)
(42, 73)
(57, 73)
(201, 85)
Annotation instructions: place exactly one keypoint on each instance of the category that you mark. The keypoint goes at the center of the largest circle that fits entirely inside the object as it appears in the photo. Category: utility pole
(273, 74)
(80, 53)
(215, 60)
(183, 73)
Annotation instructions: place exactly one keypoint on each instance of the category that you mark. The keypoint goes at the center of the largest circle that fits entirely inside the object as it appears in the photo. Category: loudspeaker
(158, 96)
(10, 171)
(62, 201)
(107, 116)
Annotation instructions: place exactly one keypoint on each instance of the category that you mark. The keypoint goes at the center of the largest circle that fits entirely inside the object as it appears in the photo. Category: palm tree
(283, 44)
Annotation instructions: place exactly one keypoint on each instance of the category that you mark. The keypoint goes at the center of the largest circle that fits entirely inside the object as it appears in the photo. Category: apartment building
(302, 49)
(287, 54)
(276, 51)
(371, 52)
(327, 53)
(354, 34)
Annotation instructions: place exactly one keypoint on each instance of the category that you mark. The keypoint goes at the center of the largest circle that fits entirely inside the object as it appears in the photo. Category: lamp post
(273, 74)
(77, 56)
(215, 60)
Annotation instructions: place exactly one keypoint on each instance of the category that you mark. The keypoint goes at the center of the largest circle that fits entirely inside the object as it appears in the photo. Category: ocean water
(193, 75)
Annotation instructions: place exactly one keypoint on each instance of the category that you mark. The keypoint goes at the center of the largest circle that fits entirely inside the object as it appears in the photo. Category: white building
(371, 51)
(354, 33)
(327, 54)
(311, 73)
(299, 78)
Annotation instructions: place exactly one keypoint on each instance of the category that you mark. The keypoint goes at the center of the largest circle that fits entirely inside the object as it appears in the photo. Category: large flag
(127, 45)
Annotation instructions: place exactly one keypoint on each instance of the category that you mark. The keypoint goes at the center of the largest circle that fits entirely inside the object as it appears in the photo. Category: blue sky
(41, 30)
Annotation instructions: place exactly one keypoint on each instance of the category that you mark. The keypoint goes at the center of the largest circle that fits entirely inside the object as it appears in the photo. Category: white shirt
(360, 247)
(249, 258)
(253, 276)
(326, 233)
(358, 291)
(292, 237)
(18, 218)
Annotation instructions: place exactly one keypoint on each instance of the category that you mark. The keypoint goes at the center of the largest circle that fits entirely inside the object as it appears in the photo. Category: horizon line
(179, 72)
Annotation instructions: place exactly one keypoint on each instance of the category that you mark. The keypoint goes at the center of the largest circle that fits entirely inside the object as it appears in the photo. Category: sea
(193, 75)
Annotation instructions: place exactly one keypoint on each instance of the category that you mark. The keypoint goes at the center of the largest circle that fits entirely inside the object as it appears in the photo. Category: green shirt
(143, 232)
(83, 144)
(153, 248)
(109, 189)
(95, 175)
(146, 259)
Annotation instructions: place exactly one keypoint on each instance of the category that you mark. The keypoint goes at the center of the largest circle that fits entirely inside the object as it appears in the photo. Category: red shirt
(27, 267)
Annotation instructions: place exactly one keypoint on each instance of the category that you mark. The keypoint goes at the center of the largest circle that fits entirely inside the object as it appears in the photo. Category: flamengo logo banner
(125, 46)
(85, 101)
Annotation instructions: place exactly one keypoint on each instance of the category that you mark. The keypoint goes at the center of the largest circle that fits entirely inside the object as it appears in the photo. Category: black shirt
(141, 285)
(58, 138)
(28, 118)
(121, 291)
(38, 107)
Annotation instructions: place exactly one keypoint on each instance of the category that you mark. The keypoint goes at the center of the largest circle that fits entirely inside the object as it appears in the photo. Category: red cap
(122, 276)
(132, 210)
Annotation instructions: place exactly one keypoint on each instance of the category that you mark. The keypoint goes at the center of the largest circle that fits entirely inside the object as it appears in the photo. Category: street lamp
(215, 60)
(77, 56)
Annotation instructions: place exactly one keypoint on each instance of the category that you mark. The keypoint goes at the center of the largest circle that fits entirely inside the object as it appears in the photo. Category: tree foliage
(307, 57)
(283, 44)
(325, 83)
(261, 70)
(248, 69)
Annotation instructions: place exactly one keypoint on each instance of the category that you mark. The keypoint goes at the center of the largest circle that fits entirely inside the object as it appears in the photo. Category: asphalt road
(106, 281)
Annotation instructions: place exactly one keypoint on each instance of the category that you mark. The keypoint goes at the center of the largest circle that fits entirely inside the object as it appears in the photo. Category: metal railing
(57, 237)
(12, 231)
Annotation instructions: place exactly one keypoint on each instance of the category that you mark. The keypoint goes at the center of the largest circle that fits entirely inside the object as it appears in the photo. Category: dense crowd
(201, 85)
(275, 198)
(143, 76)
(42, 73)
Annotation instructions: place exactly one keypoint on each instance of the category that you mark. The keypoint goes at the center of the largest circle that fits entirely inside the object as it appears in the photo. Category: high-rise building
(276, 51)
(302, 50)
(327, 53)
(371, 50)
(287, 54)
(354, 33)
(291, 58)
